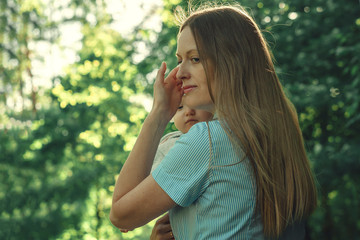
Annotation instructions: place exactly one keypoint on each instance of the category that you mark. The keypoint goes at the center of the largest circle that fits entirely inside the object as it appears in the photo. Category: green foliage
(62, 149)
(59, 164)
(315, 46)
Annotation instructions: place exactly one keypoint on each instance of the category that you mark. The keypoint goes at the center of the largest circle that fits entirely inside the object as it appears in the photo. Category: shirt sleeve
(183, 173)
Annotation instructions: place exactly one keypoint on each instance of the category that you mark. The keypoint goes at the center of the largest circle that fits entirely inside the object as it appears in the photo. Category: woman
(242, 176)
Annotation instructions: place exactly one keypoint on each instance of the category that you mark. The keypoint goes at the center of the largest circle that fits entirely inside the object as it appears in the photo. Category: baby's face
(185, 118)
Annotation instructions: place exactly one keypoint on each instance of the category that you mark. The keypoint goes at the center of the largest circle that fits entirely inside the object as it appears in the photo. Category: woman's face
(192, 73)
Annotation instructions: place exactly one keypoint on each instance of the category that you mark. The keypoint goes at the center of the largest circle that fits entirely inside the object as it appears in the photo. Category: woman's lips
(189, 88)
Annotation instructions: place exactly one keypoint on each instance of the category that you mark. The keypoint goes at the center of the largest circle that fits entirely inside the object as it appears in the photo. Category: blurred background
(76, 84)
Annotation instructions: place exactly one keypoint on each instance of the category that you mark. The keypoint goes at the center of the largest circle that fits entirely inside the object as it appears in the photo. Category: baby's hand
(162, 229)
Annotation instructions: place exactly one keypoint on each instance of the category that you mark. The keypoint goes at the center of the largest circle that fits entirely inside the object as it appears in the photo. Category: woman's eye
(181, 107)
(195, 60)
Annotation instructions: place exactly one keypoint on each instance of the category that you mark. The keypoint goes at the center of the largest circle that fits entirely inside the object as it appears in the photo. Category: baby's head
(186, 117)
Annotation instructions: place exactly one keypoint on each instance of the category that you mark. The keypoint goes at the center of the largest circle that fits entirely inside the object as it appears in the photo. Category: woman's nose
(183, 72)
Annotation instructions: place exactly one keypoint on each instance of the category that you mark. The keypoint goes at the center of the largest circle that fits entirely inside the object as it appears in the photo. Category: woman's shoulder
(202, 132)
(205, 126)
(213, 127)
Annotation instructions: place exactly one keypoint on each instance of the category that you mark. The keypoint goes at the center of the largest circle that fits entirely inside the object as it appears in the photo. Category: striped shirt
(215, 197)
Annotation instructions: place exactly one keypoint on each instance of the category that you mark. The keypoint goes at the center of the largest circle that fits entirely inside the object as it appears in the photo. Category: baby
(184, 119)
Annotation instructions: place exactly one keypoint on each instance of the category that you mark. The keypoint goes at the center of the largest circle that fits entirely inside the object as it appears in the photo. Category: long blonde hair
(249, 98)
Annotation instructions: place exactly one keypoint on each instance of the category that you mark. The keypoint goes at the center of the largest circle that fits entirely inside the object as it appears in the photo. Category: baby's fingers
(164, 219)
